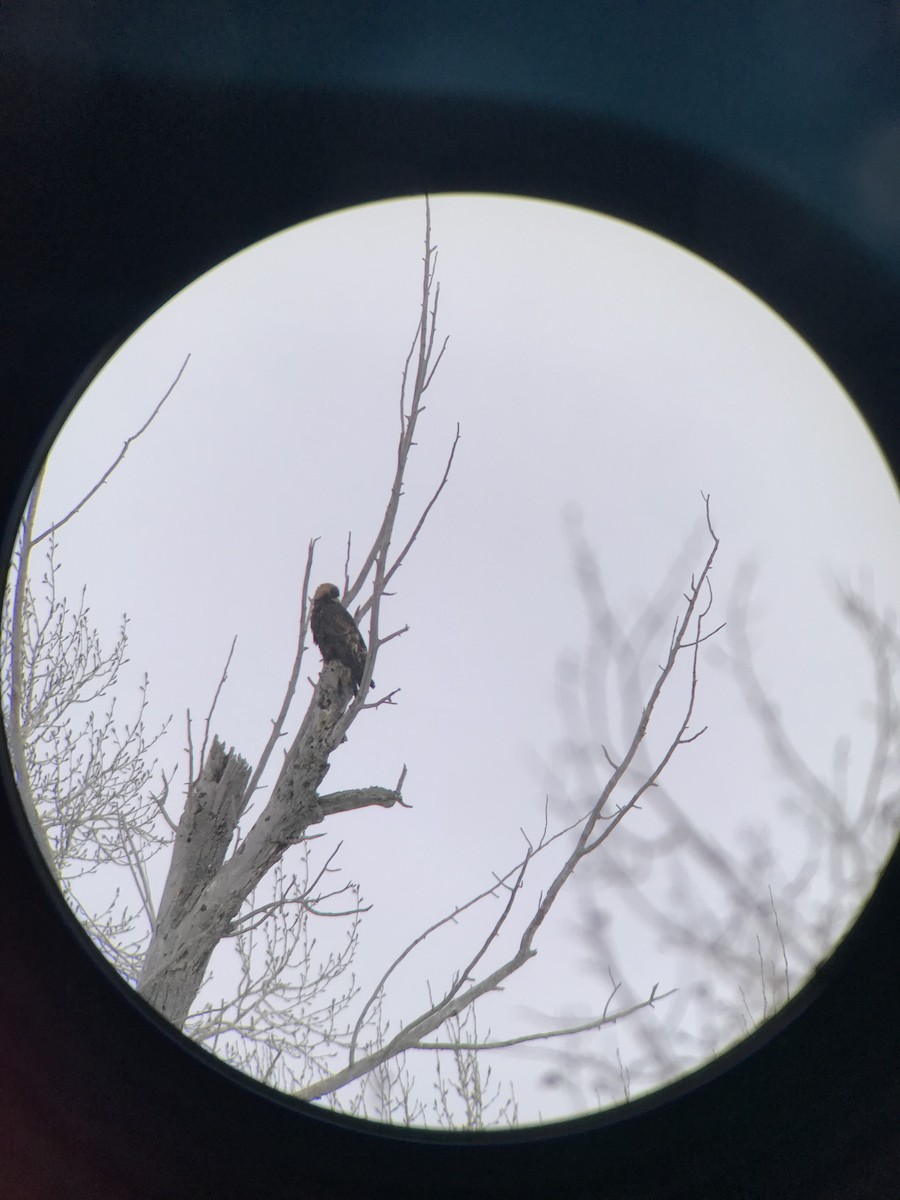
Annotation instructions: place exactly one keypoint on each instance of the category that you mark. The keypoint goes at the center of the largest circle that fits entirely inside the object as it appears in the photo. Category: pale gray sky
(590, 364)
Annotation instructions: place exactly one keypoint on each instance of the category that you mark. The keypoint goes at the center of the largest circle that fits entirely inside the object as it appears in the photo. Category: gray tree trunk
(204, 893)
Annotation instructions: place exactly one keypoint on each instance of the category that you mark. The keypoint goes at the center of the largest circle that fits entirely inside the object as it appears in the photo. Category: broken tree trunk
(204, 891)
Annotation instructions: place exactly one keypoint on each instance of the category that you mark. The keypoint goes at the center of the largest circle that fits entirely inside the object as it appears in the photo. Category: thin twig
(109, 470)
(215, 701)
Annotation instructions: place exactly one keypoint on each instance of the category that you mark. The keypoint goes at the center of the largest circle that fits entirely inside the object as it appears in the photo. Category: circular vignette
(821, 285)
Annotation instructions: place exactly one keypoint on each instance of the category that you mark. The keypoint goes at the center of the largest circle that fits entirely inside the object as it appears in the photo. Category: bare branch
(138, 871)
(447, 919)
(15, 635)
(466, 974)
(787, 976)
(346, 567)
(386, 699)
(382, 641)
(215, 699)
(355, 798)
(57, 525)
(278, 723)
(545, 1035)
(398, 561)
(425, 369)
(160, 802)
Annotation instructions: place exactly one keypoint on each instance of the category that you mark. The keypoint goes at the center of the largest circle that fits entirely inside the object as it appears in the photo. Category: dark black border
(118, 193)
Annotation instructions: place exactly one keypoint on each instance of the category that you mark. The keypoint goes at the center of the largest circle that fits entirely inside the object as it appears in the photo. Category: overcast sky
(592, 367)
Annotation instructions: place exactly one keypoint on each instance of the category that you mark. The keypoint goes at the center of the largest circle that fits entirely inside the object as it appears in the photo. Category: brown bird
(334, 632)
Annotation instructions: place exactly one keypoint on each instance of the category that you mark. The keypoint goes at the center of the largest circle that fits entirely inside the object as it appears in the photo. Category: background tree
(751, 919)
(83, 777)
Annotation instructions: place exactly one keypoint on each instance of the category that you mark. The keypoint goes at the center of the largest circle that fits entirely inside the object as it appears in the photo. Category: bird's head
(326, 591)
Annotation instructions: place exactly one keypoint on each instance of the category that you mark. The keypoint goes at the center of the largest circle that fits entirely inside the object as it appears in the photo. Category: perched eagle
(334, 632)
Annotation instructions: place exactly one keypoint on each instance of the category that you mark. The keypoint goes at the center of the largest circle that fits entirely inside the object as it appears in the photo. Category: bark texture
(205, 891)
